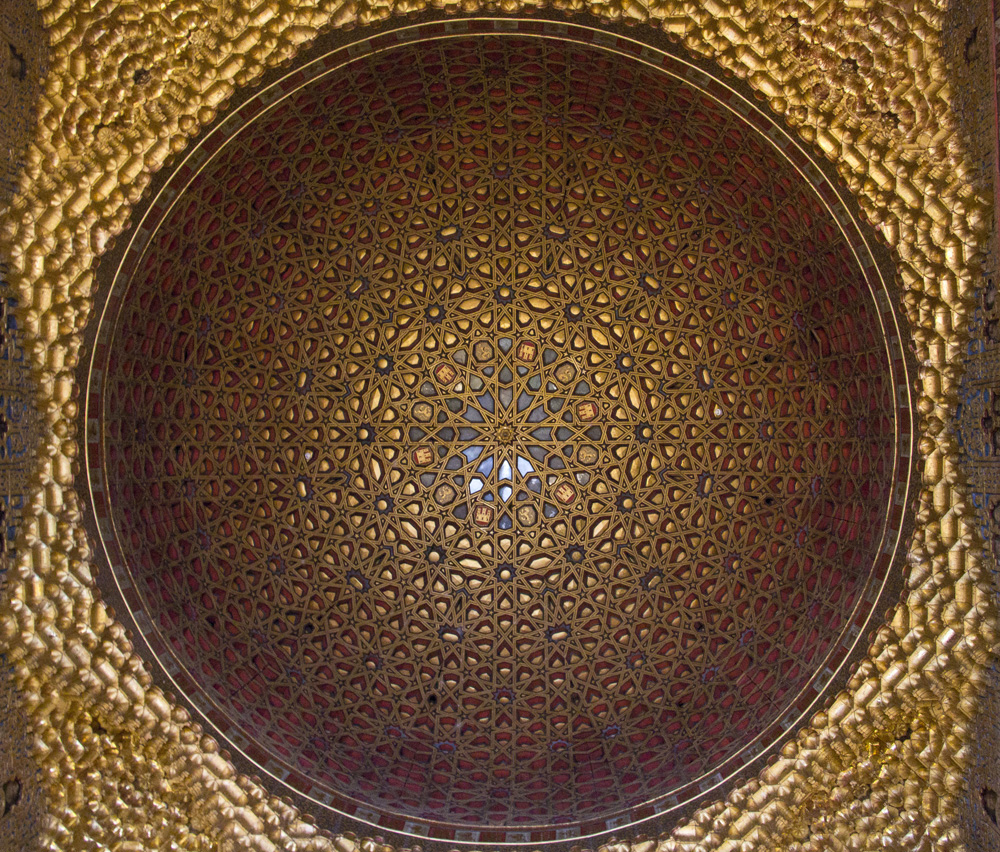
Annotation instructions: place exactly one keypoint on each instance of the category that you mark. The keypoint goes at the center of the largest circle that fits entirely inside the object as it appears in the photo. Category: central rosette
(509, 426)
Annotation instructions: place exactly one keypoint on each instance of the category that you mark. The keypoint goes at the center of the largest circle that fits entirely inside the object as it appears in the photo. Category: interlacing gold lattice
(500, 430)
(124, 766)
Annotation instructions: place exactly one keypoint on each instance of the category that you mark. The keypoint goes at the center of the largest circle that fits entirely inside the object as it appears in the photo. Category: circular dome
(497, 433)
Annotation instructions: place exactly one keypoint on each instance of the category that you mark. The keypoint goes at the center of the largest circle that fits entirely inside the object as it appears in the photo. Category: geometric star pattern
(499, 432)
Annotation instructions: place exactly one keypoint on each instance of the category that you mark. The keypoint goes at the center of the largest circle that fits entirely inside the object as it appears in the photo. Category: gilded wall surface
(22, 65)
(124, 767)
(968, 59)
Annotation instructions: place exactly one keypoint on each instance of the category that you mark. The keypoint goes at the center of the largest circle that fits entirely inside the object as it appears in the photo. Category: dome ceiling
(499, 434)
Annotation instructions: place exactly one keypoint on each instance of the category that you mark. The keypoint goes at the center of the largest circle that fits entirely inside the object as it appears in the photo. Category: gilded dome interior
(499, 433)
(108, 741)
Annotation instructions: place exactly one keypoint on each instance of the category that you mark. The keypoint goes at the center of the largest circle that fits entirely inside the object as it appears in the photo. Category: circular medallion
(499, 436)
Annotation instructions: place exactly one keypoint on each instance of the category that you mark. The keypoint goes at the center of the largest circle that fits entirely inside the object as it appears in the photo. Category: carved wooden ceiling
(500, 433)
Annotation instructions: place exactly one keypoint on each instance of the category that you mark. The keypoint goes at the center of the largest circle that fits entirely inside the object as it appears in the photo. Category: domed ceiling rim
(156, 205)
